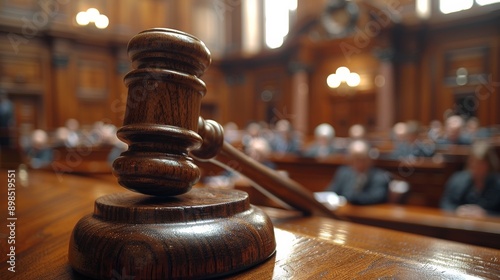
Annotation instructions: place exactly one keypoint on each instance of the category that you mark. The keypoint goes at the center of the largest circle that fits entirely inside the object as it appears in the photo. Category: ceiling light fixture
(101, 21)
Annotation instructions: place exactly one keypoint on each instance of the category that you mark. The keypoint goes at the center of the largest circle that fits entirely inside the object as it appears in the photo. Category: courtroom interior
(370, 116)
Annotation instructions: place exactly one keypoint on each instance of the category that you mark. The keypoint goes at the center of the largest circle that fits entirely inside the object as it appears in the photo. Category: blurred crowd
(38, 145)
(474, 191)
(407, 139)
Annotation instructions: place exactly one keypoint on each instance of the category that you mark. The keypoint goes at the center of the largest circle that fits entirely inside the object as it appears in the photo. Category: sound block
(204, 233)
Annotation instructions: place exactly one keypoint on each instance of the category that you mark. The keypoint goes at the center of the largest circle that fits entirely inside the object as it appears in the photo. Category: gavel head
(163, 107)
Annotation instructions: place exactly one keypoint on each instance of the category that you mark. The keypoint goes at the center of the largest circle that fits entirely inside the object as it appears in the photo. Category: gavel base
(202, 234)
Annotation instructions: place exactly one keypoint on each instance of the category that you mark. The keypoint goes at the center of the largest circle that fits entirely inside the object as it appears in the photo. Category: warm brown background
(54, 70)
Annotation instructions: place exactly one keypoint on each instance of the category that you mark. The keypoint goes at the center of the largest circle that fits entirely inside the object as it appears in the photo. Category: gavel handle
(215, 150)
(269, 181)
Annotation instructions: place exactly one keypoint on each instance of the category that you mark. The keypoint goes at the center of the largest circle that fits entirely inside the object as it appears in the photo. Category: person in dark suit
(360, 182)
(475, 192)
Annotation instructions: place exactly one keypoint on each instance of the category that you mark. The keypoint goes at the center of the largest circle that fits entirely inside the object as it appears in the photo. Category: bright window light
(487, 2)
(423, 8)
(452, 6)
(277, 21)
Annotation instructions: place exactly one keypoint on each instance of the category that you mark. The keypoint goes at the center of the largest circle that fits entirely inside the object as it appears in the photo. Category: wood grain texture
(427, 221)
(176, 233)
(204, 233)
(307, 248)
(163, 106)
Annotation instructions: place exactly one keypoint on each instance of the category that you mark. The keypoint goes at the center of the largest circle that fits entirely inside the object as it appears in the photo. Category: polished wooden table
(48, 206)
(427, 221)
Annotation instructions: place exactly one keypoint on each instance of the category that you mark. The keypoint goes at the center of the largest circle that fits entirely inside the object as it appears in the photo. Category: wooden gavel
(165, 229)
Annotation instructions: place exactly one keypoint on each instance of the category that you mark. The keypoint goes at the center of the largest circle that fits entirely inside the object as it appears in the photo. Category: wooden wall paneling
(407, 92)
(183, 16)
(214, 104)
(474, 93)
(269, 94)
(450, 47)
(64, 80)
(118, 99)
(319, 110)
(25, 75)
(12, 11)
(94, 90)
(424, 78)
(341, 117)
(240, 96)
(322, 105)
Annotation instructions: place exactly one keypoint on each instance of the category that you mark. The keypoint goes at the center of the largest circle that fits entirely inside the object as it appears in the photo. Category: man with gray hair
(360, 182)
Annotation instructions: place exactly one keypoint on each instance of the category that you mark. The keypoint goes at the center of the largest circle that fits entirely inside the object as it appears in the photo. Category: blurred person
(108, 135)
(285, 139)
(473, 131)
(435, 130)
(60, 137)
(260, 150)
(410, 144)
(475, 192)
(357, 132)
(252, 131)
(73, 137)
(231, 133)
(6, 119)
(323, 145)
(398, 132)
(39, 153)
(453, 132)
(360, 182)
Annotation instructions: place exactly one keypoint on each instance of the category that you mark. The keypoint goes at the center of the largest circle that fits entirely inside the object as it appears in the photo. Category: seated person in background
(472, 131)
(356, 132)
(435, 130)
(259, 150)
(39, 153)
(73, 137)
(252, 131)
(323, 142)
(475, 192)
(410, 144)
(453, 132)
(231, 133)
(285, 139)
(360, 182)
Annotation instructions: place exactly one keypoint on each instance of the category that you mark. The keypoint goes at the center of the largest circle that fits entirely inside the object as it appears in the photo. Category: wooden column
(63, 80)
(385, 94)
(300, 100)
